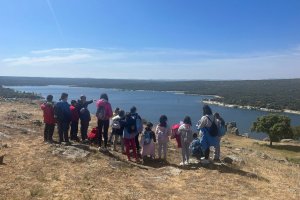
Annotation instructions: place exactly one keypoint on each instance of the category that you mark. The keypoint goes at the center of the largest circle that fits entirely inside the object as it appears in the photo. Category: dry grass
(32, 172)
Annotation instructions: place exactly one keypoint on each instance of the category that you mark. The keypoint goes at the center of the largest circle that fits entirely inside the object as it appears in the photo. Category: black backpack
(213, 129)
(131, 124)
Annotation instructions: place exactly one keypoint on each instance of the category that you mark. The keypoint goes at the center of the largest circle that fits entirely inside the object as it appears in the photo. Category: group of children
(128, 129)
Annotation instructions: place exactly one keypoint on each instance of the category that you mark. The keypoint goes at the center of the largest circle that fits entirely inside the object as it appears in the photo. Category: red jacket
(48, 111)
(74, 113)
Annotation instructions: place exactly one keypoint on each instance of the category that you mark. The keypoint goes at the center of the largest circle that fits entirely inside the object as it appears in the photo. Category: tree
(276, 126)
(296, 132)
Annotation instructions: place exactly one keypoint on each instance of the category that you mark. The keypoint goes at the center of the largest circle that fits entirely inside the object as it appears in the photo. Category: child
(221, 132)
(195, 147)
(74, 122)
(118, 128)
(115, 114)
(129, 134)
(185, 132)
(147, 141)
(84, 115)
(163, 132)
(48, 112)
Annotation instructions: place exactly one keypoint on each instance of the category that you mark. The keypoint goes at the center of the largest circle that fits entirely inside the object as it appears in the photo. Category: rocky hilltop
(31, 169)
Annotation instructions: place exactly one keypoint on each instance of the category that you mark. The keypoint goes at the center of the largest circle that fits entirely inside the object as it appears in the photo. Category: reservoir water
(152, 104)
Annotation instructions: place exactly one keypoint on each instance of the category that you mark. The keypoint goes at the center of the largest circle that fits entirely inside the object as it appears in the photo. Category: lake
(152, 104)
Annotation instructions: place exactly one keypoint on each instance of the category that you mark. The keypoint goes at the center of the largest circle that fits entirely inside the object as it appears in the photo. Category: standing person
(116, 113)
(48, 113)
(104, 113)
(129, 134)
(84, 115)
(74, 122)
(139, 124)
(221, 132)
(186, 136)
(162, 132)
(207, 139)
(118, 128)
(63, 116)
(147, 141)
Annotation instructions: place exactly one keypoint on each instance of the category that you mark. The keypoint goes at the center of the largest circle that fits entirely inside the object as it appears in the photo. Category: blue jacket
(62, 112)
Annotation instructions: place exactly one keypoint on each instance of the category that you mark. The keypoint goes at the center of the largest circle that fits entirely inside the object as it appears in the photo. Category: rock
(265, 156)
(287, 140)
(3, 145)
(71, 153)
(232, 159)
(235, 131)
(172, 171)
(4, 136)
(267, 139)
(37, 122)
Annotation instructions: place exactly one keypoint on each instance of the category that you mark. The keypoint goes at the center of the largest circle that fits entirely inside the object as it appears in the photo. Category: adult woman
(104, 113)
(207, 140)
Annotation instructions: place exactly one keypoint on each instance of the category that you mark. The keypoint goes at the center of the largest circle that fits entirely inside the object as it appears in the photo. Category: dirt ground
(32, 171)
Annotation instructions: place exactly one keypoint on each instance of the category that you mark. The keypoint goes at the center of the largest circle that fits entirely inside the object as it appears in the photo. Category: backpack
(139, 124)
(93, 134)
(213, 129)
(160, 135)
(131, 124)
(147, 137)
(116, 124)
(101, 113)
(58, 113)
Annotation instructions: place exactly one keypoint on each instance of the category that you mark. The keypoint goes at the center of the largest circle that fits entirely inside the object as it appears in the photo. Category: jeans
(84, 125)
(48, 132)
(74, 130)
(128, 143)
(63, 129)
(162, 146)
(103, 126)
(185, 151)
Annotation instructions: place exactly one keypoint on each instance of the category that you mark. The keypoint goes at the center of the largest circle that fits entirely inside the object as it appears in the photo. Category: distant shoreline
(249, 107)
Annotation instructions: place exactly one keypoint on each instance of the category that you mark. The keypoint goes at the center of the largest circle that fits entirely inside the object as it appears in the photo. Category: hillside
(34, 170)
(271, 94)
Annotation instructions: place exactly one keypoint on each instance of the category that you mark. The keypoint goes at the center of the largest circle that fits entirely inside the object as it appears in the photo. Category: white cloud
(154, 63)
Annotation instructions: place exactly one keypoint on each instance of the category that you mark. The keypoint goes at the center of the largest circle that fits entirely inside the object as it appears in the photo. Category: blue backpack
(147, 137)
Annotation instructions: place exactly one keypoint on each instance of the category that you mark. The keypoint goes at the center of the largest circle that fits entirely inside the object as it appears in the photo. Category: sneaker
(205, 161)
(186, 163)
(181, 164)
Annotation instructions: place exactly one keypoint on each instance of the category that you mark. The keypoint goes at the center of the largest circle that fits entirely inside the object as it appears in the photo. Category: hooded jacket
(48, 112)
(107, 106)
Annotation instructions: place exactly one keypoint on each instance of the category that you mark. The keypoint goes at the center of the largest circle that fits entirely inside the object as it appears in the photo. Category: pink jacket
(164, 138)
(107, 106)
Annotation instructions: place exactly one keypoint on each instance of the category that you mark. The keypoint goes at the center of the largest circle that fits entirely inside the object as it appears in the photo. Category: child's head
(64, 97)
(117, 110)
(104, 96)
(187, 120)
(217, 115)
(133, 109)
(163, 120)
(83, 98)
(49, 98)
(73, 103)
(195, 135)
(122, 113)
(149, 125)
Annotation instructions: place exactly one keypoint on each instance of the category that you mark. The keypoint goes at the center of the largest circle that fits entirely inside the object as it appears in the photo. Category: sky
(151, 39)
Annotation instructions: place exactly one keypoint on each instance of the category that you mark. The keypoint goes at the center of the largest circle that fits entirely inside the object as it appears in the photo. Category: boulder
(232, 159)
(267, 139)
(71, 153)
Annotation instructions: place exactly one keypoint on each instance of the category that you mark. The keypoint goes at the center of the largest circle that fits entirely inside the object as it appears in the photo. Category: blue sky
(150, 39)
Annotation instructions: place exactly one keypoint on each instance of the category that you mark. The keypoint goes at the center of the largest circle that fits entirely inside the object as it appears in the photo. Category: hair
(149, 125)
(63, 96)
(104, 96)
(217, 116)
(187, 120)
(82, 97)
(207, 110)
(73, 102)
(163, 121)
(133, 109)
(49, 97)
(195, 135)
(121, 113)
